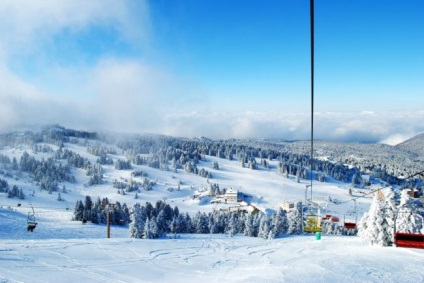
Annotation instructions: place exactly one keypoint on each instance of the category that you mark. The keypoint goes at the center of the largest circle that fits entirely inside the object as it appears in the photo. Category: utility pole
(107, 206)
(312, 90)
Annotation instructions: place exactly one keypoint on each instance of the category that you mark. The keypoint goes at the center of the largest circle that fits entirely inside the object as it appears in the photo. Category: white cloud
(333, 126)
(26, 24)
(130, 95)
(56, 93)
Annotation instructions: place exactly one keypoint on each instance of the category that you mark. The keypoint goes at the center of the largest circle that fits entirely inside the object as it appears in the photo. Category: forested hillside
(414, 145)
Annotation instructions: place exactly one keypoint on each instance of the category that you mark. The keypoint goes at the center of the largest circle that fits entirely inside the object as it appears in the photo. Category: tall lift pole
(312, 89)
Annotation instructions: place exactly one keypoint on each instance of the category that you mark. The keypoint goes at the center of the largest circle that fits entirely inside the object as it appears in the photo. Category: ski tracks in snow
(57, 259)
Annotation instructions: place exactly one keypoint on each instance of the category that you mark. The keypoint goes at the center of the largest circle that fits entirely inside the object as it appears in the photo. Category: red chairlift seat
(335, 219)
(409, 240)
(327, 217)
(349, 225)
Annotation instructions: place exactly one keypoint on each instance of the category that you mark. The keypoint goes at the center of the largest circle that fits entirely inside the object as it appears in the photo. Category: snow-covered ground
(61, 250)
(267, 188)
(65, 251)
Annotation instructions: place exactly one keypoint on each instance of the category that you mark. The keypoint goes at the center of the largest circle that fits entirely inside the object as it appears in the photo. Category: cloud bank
(132, 95)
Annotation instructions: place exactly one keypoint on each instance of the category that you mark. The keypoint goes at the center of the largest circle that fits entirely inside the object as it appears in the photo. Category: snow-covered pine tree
(408, 220)
(232, 227)
(148, 230)
(188, 223)
(295, 219)
(280, 223)
(377, 225)
(329, 227)
(21, 194)
(136, 227)
(174, 225)
(202, 223)
(264, 226)
(161, 223)
(79, 211)
(249, 227)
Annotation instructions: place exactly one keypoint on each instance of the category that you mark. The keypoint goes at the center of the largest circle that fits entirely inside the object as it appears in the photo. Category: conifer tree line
(96, 212)
(186, 153)
(13, 191)
(169, 153)
(150, 221)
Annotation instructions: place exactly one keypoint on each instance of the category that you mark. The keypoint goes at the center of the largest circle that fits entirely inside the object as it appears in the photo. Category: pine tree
(137, 224)
(202, 223)
(148, 230)
(94, 216)
(295, 219)
(264, 227)
(21, 194)
(189, 224)
(161, 223)
(250, 229)
(279, 223)
(79, 211)
(409, 220)
(377, 225)
(232, 227)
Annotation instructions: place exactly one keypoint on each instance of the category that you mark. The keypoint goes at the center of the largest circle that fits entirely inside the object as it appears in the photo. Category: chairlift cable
(30, 206)
(371, 192)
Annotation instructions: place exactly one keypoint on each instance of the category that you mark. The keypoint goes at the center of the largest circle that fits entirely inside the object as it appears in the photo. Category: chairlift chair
(313, 223)
(31, 223)
(334, 219)
(350, 223)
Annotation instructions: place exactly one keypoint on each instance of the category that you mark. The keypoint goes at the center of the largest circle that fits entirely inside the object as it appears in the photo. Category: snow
(61, 250)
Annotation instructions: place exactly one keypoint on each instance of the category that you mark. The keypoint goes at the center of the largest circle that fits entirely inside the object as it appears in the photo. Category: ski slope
(67, 252)
(61, 250)
(267, 188)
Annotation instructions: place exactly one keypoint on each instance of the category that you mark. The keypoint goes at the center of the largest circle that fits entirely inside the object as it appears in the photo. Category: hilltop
(414, 145)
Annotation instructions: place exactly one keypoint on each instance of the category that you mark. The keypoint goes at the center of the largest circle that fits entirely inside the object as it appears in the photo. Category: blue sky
(215, 68)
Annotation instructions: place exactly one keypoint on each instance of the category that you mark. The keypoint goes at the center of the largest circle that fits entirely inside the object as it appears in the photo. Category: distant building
(251, 209)
(287, 206)
(366, 180)
(378, 173)
(232, 196)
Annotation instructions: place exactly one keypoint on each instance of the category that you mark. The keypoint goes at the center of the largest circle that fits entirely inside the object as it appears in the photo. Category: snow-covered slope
(267, 188)
(414, 145)
(201, 258)
(62, 250)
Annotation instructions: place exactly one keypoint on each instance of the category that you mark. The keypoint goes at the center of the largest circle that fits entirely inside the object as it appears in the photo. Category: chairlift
(326, 217)
(313, 223)
(334, 219)
(349, 222)
(31, 223)
(352, 219)
(313, 220)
